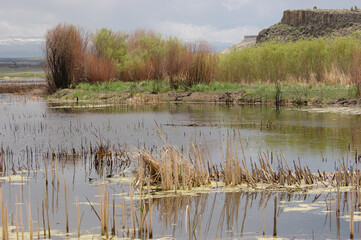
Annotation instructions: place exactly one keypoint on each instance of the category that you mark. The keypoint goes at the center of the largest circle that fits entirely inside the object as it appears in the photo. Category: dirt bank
(73, 95)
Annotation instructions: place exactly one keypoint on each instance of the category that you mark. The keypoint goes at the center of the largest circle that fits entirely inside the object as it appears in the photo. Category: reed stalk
(66, 209)
(57, 170)
(104, 215)
(38, 218)
(275, 217)
(46, 171)
(264, 213)
(113, 227)
(30, 221)
(123, 216)
(16, 221)
(43, 213)
(132, 215)
(77, 215)
(150, 229)
(21, 222)
(47, 213)
(4, 218)
(351, 217)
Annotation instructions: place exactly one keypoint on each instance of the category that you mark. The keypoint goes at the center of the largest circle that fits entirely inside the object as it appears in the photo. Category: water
(32, 128)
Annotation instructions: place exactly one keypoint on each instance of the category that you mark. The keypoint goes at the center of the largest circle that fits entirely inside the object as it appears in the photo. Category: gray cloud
(224, 21)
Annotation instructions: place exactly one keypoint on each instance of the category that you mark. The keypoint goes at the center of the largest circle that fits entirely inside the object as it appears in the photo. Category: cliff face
(296, 24)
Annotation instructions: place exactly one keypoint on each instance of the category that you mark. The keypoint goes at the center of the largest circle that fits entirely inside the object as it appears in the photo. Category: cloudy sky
(23, 23)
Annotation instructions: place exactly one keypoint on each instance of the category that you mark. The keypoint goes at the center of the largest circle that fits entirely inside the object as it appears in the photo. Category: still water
(33, 128)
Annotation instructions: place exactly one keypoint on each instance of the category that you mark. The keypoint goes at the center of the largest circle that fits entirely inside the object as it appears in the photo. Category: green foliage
(112, 45)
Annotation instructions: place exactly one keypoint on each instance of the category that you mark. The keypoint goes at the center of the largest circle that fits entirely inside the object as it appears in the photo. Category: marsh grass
(306, 61)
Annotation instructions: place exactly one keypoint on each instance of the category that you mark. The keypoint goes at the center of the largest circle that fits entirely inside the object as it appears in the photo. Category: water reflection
(31, 130)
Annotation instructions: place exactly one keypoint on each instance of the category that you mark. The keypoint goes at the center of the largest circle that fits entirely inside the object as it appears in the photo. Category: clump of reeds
(172, 169)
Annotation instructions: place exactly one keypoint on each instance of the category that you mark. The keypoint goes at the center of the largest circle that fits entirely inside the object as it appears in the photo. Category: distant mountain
(16, 47)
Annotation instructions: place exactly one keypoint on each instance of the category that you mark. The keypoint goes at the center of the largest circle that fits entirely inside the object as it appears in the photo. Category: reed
(113, 226)
(132, 214)
(275, 217)
(104, 211)
(16, 221)
(4, 217)
(78, 218)
(43, 214)
(351, 216)
(171, 169)
(46, 204)
(21, 222)
(123, 217)
(38, 218)
(66, 209)
(30, 221)
(150, 231)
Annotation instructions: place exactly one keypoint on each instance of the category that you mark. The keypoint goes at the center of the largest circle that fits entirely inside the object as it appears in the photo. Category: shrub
(112, 45)
(100, 69)
(65, 52)
(202, 65)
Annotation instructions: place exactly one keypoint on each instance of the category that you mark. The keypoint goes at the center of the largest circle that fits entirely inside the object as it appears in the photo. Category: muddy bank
(38, 88)
(73, 95)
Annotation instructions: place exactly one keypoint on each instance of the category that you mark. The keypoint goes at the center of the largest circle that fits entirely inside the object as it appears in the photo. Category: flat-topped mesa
(312, 23)
(332, 18)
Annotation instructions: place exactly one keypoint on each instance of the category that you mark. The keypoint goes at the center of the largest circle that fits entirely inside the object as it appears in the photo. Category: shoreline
(189, 97)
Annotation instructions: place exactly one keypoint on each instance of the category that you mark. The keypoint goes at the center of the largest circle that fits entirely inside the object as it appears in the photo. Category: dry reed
(66, 209)
(4, 217)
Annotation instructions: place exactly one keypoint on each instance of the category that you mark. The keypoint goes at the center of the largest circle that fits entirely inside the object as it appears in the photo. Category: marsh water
(32, 129)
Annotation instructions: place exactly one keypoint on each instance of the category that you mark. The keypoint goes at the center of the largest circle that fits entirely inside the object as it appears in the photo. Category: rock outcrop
(248, 41)
(297, 24)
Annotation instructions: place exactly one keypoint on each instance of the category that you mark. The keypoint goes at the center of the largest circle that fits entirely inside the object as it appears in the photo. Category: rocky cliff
(296, 24)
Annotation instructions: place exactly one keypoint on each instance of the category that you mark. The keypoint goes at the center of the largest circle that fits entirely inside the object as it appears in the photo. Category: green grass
(118, 86)
(265, 92)
(299, 92)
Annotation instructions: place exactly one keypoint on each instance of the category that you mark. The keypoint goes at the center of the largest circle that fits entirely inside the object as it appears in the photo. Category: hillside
(312, 23)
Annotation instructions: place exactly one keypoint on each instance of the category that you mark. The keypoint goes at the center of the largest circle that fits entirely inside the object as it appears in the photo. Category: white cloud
(192, 32)
(19, 41)
(233, 5)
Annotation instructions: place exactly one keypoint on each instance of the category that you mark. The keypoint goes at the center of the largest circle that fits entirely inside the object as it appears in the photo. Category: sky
(223, 23)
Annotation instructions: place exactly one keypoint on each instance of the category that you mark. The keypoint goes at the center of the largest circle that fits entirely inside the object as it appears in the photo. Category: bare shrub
(203, 63)
(65, 52)
(100, 69)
